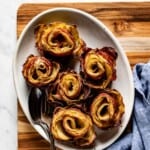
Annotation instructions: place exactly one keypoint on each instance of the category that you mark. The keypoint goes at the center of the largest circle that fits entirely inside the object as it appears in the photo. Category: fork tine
(46, 107)
(43, 101)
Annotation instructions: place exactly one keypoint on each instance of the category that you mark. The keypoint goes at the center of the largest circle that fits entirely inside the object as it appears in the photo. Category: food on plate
(70, 94)
(98, 67)
(39, 71)
(72, 125)
(107, 109)
(68, 88)
(58, 39)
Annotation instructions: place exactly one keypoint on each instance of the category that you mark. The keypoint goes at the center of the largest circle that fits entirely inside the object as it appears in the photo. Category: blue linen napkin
(139, 138)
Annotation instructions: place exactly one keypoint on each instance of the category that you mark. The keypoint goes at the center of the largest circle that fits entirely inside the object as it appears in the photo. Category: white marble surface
(8, 101)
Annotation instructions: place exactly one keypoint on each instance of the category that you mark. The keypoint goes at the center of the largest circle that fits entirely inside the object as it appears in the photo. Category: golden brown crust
(69, 88)
(58, 39)
(98, 67)
(107, 109)
(39, 71)
(70, 124)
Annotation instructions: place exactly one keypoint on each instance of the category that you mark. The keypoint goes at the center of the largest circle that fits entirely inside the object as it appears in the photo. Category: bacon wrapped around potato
(58, 39)
(71, 124)
(69, 88)
(107, 109)
(39, 71)
(98, 67)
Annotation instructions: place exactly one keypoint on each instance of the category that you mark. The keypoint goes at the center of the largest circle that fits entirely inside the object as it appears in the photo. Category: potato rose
(98, 67)
(39, 71)
(58, 39)
(107, 109)
(71, 124)
(69, 88)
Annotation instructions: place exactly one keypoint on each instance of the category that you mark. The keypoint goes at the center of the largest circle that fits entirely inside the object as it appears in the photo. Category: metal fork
(37, 98)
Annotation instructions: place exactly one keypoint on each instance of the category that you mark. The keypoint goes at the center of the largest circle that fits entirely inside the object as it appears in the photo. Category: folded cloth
(139, 138)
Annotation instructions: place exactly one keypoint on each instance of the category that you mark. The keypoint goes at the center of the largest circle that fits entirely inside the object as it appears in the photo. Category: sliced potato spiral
(58, 39)
(69, 88)
(98, 67)
(39, 71)
(107, 109)
(70, 124)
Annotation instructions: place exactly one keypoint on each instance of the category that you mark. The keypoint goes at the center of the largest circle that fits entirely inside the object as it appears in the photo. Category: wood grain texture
(123, 19)
(129, 22)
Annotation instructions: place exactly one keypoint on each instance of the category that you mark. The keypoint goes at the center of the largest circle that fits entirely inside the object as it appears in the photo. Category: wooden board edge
(103, 4)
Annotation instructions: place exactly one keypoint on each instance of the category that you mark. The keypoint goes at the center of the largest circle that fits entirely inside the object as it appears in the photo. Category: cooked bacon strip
(107, 109)
(69, 88)
(98, 67)
(39, 71)
(58, 39)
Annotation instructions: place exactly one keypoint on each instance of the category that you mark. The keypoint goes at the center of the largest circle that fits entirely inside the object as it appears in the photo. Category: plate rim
(106, 31)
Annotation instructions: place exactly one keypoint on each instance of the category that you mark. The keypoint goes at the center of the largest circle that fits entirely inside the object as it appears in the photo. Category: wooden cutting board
(129, 22)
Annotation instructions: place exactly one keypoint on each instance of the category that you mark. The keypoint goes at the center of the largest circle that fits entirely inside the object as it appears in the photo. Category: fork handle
(48, 133)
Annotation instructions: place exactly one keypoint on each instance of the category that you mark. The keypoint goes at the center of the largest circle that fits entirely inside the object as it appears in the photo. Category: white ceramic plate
(96, 35)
